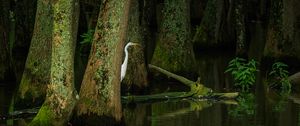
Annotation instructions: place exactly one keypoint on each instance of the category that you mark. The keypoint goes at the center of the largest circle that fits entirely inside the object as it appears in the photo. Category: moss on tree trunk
(136, 70)
(100, 89)
(174, 51)
(60, 98)
(36, 73)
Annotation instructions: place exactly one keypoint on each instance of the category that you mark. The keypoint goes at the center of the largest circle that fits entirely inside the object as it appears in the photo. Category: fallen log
(20, 114)
(295, 81)
(197, 90)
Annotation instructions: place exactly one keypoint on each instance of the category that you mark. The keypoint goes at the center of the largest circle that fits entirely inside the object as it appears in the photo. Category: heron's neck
(126, 55)
(124, 64)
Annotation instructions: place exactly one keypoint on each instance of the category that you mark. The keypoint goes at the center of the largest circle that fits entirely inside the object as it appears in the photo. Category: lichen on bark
(100, 89)
(61, 94)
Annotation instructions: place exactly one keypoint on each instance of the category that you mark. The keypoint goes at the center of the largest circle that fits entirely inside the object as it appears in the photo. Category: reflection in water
(280, 104)
(205, 113)
(179, 113)
(159, 110)
(246, 106)
(170, 113)
(211, 70)
(136, 115)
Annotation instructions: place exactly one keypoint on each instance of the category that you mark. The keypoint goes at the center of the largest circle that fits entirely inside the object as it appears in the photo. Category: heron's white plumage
(125, 62)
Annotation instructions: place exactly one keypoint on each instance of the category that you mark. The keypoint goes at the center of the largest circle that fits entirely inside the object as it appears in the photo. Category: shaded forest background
(171, 32)
(268, 27)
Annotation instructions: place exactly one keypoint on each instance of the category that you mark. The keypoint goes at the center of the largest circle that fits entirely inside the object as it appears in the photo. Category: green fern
(87, 37)
(243, 72)
(279, 77)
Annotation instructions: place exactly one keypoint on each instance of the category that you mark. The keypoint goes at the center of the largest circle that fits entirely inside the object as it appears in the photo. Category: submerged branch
(197, 90)
(178, 95)
(25, 113)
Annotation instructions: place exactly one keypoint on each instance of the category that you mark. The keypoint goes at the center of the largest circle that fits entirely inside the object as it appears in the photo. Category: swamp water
(264, 107)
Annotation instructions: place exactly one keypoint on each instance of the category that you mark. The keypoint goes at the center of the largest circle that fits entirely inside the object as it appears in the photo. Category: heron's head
(133, 44)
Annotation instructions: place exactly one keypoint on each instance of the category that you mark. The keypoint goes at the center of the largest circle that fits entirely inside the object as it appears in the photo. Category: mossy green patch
(43, 118)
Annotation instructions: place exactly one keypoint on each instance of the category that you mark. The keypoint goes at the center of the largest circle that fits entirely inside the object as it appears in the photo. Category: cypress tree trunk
(174, 51)
(136, 72)
(24, 16)
(258, 14)
(100, 89)
(89, 11)
(36, 73)
(4, 45)
(60, 98)
(149, 25)
(274, 41)
(210, 30)
(283, 30)
(240, 26)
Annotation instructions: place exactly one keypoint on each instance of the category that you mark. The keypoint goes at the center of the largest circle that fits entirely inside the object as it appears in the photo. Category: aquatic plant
(279, 77)
(243, 72)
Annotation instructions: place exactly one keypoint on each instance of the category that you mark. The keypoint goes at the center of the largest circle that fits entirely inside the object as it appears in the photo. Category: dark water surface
(206, 114)
(265, 108)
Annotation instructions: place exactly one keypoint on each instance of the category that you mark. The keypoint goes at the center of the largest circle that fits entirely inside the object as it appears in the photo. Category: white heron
(125, 62)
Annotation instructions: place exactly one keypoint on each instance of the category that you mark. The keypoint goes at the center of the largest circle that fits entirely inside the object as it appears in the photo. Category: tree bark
(5, 65)
(100, 89)
(174, 51)
(149, 25)
(240, 26)
(60, 98)
(136, 74)
(295, 81)
(36, 73)
(283, 29)
(24, 12)
(208, 33)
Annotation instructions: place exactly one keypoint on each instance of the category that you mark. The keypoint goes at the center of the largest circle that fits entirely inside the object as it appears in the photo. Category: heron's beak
(137, 44)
